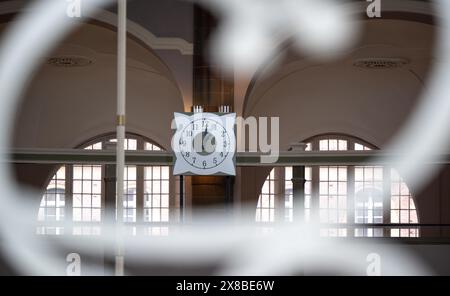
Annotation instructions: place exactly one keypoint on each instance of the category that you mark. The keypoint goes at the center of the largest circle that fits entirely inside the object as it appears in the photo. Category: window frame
(154, 227)
(352, 142)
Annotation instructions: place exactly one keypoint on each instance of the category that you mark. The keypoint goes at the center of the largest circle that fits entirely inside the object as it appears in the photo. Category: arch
(287, 56)
(292, 89)
(111, 135)
(343, 194)
(64, 105)
(106, 18)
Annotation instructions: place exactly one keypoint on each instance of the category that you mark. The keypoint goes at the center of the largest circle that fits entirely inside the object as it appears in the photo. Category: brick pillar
(211, 90)
(298, 186)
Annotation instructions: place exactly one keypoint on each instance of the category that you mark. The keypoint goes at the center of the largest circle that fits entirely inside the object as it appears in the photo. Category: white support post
(121, 101)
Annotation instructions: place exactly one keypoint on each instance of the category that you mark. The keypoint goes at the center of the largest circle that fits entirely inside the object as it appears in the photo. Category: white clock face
(204, 144)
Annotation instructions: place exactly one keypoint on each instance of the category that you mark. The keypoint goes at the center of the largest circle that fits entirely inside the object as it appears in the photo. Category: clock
(204, 144)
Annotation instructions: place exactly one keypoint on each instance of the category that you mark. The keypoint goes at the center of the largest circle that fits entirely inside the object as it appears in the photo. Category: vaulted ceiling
(308, 95)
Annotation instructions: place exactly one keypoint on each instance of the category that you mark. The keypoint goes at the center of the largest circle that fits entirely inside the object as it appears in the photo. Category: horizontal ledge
(78, 156)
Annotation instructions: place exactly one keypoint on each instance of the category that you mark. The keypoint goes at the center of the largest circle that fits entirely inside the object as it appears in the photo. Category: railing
(429, 232)
(77, 156)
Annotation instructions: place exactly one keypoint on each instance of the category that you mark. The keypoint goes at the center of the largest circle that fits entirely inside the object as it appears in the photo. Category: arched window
(335, 190)
(78, 190)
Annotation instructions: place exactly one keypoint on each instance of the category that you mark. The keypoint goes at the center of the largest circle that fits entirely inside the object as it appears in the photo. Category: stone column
(109, 182)
(298, 185)
(109, 213)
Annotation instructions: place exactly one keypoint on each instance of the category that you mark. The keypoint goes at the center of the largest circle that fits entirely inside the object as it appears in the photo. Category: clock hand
(204, 137)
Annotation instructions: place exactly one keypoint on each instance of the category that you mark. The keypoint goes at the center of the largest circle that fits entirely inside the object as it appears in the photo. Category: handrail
(322, 225)
(427, 239)
(292, 158)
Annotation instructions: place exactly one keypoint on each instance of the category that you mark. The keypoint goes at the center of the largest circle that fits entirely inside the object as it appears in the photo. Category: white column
(121, 100)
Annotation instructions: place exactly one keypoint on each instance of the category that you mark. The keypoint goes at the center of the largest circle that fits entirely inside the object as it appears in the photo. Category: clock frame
(204, 143)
